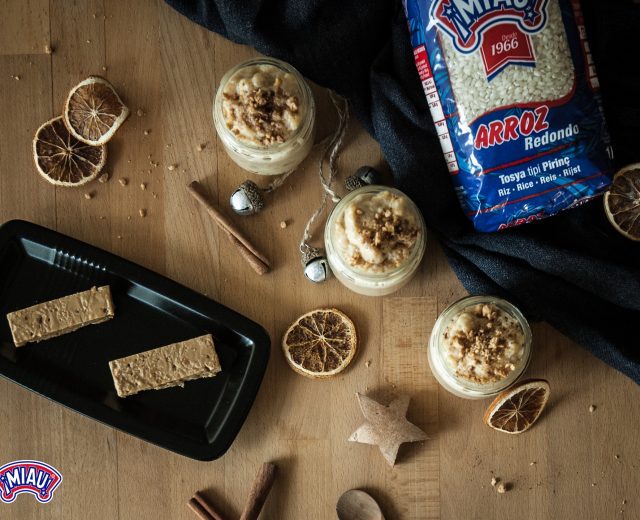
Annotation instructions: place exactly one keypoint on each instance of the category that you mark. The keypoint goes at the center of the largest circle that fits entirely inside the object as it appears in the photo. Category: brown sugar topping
(263, 111)
(377, 232)
(484, 343)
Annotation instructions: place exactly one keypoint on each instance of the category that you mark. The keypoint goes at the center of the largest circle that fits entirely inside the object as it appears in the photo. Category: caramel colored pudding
(375, 240)
(479, 346)
(264, 114)
(261, 105)
(376, 232)
(483, 343)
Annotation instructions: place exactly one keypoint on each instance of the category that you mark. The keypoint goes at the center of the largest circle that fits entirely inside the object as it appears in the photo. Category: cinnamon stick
(259, 492)
(199, 510)
(203, 509)
(262, 266)
(258, 265)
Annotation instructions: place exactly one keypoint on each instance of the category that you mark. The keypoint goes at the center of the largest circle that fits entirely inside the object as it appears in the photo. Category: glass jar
(276, 158)
(358, 279)
(443, 370)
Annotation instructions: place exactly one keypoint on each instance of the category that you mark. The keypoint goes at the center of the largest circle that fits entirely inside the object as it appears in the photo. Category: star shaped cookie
(386, 426)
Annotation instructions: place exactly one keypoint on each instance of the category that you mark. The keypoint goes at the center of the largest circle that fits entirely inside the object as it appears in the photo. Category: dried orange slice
(517, 408)
(94, 111)
(622, 201)
(320, 343)
(62, 159)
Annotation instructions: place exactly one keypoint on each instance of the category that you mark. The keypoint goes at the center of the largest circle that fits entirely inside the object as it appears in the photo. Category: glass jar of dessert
(479, 346)
(264, 113)
(375, 239)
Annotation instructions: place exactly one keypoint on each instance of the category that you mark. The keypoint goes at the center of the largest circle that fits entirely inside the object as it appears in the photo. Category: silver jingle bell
(364, 176)
(247, 199)
(316, 266)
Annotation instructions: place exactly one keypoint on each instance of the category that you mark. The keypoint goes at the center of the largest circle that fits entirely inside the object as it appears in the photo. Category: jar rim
(308, 100)
(410, 263)
(443, 372)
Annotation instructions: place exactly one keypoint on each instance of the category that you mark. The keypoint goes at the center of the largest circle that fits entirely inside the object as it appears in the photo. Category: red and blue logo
(500, 28)
(28, 476)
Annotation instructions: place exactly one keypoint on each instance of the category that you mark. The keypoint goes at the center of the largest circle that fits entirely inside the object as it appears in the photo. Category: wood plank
(186, 53)
(25, 26)
(79, 31)
(413, 485)
(25, 105)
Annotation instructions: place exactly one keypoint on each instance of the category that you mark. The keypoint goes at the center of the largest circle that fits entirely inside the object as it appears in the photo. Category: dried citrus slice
(517, 408)
(622, 201)
(320, 343)
(94, 111)
(62, 159)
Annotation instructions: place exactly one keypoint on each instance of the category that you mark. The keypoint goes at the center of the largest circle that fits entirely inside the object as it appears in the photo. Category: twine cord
(277, 182)
(332, 151)
(280, 179)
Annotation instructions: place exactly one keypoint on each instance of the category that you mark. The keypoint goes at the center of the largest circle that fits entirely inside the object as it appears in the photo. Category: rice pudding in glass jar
(264, 113)
(375, 239)
(479, 346)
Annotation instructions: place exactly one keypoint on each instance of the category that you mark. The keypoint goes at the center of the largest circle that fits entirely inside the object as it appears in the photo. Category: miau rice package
(514, 96)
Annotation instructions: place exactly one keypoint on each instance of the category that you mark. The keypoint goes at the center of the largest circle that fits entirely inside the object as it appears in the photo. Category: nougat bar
(166, 366)
(56, 317)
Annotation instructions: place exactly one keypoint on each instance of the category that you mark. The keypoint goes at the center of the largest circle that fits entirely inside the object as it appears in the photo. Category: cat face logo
(28, 476)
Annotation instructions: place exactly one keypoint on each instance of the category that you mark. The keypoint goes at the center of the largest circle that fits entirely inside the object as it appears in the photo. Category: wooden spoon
(358, 505)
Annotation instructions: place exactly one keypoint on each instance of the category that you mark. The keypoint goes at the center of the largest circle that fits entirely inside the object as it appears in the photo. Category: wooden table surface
(565, 467)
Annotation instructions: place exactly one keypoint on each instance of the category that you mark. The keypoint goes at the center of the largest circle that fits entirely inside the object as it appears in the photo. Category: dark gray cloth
(572, 270)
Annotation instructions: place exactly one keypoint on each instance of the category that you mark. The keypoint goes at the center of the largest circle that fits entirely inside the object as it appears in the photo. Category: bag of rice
(513, 94)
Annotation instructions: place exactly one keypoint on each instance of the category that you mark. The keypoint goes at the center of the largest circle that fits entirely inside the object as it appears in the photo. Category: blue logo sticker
(28, 476)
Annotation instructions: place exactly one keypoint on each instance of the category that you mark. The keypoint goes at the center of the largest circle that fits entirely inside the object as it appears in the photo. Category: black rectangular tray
(200, 420)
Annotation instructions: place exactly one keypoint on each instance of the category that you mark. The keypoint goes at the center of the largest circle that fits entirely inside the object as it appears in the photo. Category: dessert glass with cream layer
(375, 239)
(479, 346)
(264, 113)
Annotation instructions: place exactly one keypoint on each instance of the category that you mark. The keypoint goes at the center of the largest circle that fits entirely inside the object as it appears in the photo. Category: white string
(277, 182)
(333, 150)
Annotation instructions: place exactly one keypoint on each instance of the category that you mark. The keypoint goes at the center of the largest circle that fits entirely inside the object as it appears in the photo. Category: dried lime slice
(622, 201)
(63, 160)
(94, 111)
(320, 343)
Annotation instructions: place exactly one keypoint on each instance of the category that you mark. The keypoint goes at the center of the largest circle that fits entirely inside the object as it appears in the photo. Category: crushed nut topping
(484, 343)
(262, 105)
(377, 232)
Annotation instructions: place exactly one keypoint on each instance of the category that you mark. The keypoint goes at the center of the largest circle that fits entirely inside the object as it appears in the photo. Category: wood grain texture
(169, 68)
(25, 26)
